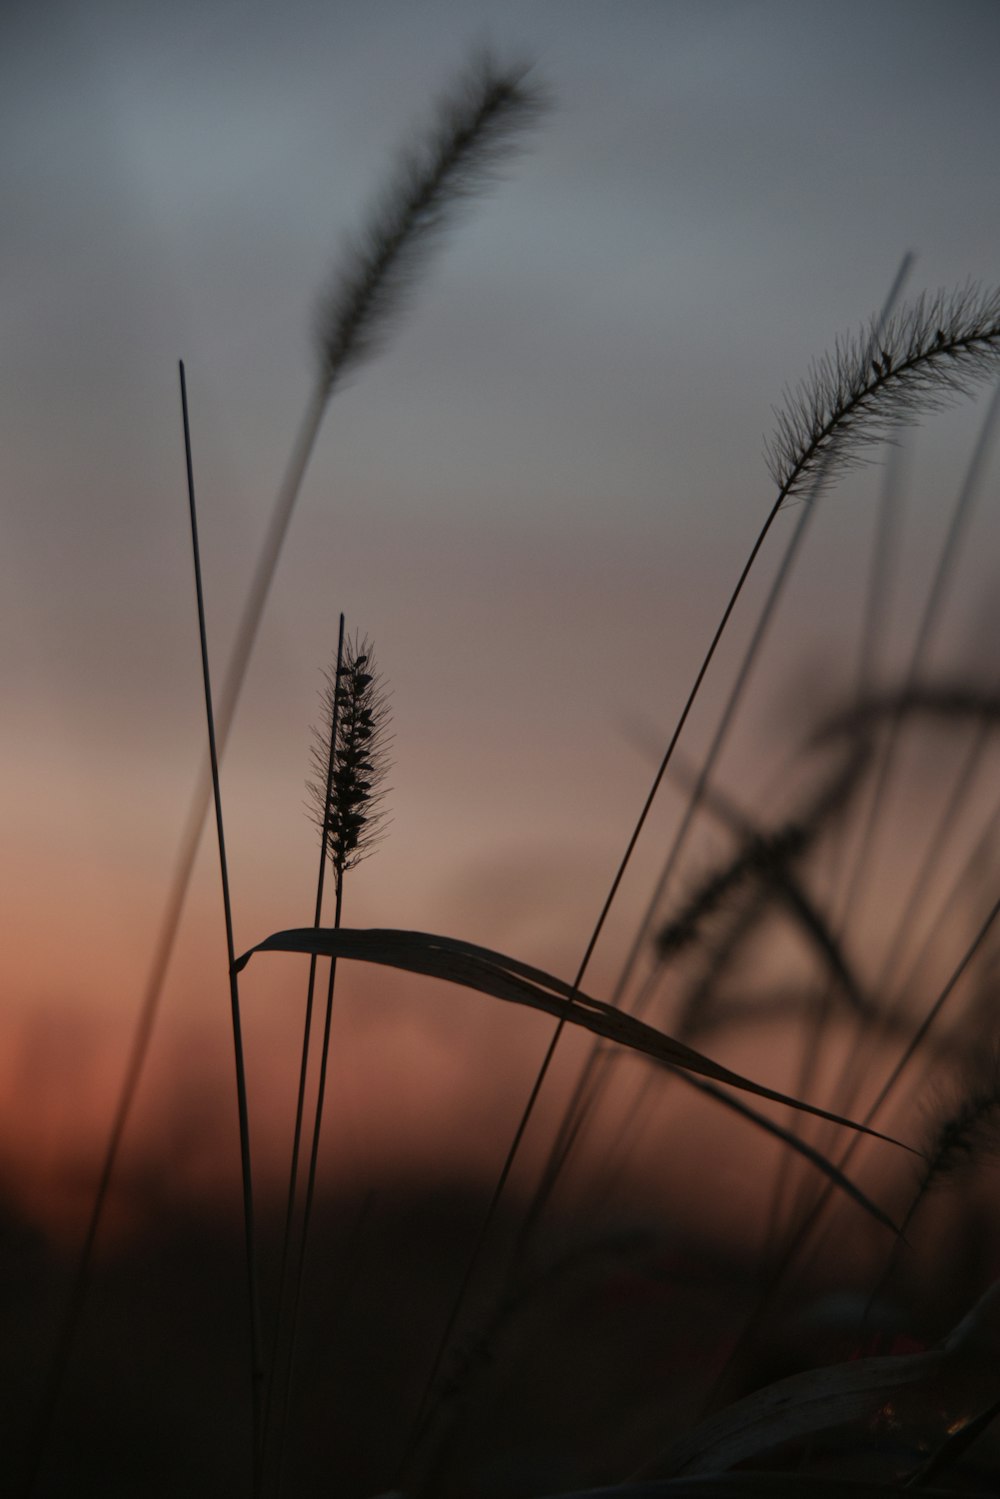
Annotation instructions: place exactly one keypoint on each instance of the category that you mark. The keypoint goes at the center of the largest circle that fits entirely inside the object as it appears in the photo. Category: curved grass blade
(505, 978)
(939, 1392)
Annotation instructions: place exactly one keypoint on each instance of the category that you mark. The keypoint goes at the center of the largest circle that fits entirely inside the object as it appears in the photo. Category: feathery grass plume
(580, 1096)
(739, 928)
(764, 862)
(970, 1131)
(888, 374)
(964, 1133)
(474, 132)
(855, 892)
(353, 768)
(639, 942)
(761, 858)
(758, 882)
(862, 860)
(360, 308)
(349, 755)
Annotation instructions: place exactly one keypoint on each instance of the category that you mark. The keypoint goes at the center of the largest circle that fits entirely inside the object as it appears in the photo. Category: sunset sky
(534, 501)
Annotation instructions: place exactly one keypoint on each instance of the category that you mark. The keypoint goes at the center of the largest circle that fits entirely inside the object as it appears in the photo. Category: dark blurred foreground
(609, 1347)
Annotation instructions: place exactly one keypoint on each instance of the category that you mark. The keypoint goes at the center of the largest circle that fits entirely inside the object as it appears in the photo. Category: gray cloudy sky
(535, 500)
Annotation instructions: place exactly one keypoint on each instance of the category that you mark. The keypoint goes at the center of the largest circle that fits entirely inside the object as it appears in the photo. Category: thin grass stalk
(308, 1206)
(257, 1368)
(812, 1217)
(357, 315)
(865, 391)
(798, 474)
(919, 957)
(931, 861)
(791, 483)
(590, 1082)
(791, 841)
(694, 801)
(929, 617)
(548, 1180)
(852, 1072)
(762, 865)
(162, 953)
(956, 528)
(832, 377)
(765, 859)
(515, 1294)
(732, 703)
(306, 1033)
(949, 814)
(879, 587)
(874, 614)
(786, 487)
(854, 876)
(349, 821)
(968, 1130)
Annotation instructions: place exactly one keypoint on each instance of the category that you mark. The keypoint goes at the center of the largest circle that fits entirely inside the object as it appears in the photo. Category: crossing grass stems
(926, 352)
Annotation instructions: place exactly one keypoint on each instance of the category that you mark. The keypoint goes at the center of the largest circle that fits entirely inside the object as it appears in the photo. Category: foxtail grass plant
(476, 128)
(915, 1413)
(808, 468)
(903, 365)
(915, 696)
(350, 759)
(300, 1102)
(965, 1135)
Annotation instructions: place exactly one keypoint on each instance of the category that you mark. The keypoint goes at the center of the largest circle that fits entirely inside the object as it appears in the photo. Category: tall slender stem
(586, 1091)
(170, 920)
(810, 467)
(474, 131)
(310, 1179)
(257, 1363)
(307, 1029)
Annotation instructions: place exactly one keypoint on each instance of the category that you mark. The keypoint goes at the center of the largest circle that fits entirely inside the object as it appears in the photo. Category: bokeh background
(535, 502)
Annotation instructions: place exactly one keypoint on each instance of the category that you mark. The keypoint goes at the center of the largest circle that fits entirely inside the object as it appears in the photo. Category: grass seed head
(475, 130)
(350, 758)
(939, 347)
